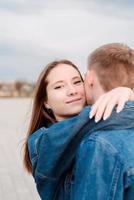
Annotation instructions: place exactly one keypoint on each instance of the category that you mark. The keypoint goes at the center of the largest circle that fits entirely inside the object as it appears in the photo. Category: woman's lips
(73, 100)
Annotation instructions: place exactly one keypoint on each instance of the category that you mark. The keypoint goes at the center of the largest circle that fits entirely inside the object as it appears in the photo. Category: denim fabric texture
(79, 159)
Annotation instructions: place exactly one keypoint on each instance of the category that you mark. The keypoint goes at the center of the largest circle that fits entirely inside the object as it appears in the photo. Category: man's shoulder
(113, 137)
(97, 140)
(117, 143)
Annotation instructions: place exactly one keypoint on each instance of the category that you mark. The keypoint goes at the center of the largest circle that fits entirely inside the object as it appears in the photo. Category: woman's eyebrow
(76, 77)
(61, 81)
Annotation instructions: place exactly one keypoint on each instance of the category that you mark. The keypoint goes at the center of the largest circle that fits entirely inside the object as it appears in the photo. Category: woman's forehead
(62, 72)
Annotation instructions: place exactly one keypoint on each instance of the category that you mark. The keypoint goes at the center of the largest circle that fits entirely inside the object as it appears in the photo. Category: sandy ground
(15, 183)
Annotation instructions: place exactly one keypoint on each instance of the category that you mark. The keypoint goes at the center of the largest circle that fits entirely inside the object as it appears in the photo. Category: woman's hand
(104, 105)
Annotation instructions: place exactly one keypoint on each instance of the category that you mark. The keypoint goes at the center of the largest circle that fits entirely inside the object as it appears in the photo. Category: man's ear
(89, 78)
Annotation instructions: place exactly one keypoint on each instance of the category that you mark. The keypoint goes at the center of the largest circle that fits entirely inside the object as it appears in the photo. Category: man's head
(109, 66)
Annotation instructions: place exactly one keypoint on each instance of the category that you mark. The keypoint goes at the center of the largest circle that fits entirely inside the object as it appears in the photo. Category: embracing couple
(75, 151)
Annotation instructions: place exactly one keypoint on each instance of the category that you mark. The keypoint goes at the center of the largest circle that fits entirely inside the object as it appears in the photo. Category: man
(91, 161)
(107, 172)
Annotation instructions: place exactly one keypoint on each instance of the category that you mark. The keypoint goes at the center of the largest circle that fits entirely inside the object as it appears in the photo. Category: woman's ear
(47, 105)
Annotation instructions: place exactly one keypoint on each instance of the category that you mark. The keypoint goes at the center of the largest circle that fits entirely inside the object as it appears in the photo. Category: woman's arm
(105, 104)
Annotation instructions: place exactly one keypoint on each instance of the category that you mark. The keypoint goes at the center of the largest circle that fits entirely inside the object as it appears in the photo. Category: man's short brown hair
(114, 65)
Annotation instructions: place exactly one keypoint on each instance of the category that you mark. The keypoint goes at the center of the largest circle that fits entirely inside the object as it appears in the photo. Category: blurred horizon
(34, 33)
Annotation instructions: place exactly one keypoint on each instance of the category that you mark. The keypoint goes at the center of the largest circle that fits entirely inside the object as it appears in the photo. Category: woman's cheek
(82, 91)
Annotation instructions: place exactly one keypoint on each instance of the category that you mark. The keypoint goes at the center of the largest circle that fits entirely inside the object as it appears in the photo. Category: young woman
(59, 95)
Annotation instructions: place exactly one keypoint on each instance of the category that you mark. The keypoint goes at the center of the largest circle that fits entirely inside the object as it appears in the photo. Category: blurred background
(33, 33)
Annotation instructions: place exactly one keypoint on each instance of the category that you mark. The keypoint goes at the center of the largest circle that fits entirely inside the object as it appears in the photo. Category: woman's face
(65, 92)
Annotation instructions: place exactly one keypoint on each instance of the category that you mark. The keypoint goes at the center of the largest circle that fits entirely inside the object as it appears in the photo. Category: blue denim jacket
(106, 174)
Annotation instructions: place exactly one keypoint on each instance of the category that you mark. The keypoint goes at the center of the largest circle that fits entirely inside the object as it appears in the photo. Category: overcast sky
(33, 33)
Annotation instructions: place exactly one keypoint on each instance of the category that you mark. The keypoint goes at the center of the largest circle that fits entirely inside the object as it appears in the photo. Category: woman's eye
(58, 87)
(77, 82)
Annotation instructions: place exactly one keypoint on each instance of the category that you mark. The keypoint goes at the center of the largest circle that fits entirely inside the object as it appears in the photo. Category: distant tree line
(16, 89)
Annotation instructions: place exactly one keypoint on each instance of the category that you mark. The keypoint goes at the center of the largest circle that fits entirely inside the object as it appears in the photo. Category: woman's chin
(75, 110)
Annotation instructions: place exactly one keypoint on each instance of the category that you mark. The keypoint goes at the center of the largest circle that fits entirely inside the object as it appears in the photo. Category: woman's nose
(71, 90)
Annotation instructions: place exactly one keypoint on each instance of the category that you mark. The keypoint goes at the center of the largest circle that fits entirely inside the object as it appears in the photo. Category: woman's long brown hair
(40, 116)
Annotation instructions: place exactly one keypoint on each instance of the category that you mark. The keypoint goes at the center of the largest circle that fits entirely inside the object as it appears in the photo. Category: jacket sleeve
(97, 171)
(57, 146)
(33, 143)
